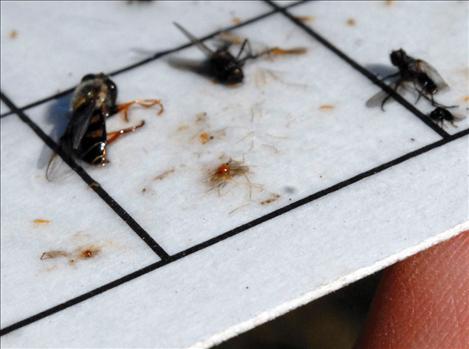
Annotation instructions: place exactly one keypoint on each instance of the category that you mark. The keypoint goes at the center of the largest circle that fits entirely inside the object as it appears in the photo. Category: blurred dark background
(331, 322)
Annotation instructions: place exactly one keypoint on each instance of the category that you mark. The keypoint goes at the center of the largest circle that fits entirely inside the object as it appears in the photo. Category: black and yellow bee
(94, 100)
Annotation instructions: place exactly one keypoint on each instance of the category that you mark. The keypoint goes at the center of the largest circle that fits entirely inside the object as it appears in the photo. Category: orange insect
(225, 172)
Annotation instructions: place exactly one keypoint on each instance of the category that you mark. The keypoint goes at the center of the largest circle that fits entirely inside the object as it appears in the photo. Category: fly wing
(378, 98)
(79, 123)
(194, 66)
(204, 48)
(432, 73)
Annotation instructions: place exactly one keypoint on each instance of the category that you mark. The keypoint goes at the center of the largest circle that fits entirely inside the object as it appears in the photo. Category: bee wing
(204, 48)
(79, 123)
(432, 74)
(57, 169)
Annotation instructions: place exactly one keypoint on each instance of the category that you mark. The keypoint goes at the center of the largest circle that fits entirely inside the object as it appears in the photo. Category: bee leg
(146, 103)
(113, 136)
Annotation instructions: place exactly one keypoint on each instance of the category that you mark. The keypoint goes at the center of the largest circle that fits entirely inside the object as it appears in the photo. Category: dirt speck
(41, 221)
(231, 38)
(88, 252)
(326, 107)
(13, 34)
(305, 19)
(204, 137)
(236, 20)
(271, 199)
(466, 99)
(95, 185)
(201, 117)
(81, 253)
(389, 2)
(164, 174)
(351, 22)
(182, 127)
(54, 254)
(287, 51)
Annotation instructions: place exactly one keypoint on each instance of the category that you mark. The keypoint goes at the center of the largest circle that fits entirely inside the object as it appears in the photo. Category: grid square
(57, 241)
(262, 122)
(362, 30)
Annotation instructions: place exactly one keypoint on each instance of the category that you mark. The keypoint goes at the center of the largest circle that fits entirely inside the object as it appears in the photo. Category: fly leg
(146, 103)
(113, 136)
(432, 101)
(246, 46)
(396, 86)
(390, 76)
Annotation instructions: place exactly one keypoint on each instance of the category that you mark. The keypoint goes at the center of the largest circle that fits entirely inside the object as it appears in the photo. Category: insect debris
(440, 116)
(417, 73)
(85, 138)
(221, 64)
(226, 172)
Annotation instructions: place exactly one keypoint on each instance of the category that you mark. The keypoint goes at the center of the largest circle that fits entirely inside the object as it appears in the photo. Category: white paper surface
(299, 123)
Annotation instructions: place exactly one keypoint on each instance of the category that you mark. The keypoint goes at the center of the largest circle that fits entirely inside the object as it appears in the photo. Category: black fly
(93, 101)
(424, 79)
(441, 115)
(221, 64)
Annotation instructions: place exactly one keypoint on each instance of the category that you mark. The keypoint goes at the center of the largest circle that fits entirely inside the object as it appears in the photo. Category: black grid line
(233, 232)
(88, 180)
(372, 77)
(169, 259)
(154, 57)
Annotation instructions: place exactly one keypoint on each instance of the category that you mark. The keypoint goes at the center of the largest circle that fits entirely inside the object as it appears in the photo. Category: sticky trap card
(237, 203)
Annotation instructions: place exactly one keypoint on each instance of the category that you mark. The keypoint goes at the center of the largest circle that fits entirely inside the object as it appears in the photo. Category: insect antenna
(204, 48)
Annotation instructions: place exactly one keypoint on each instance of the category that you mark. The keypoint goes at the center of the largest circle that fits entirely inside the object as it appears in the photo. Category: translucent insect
(226, 172)
(417, 74)
(220, 64)
(93, 101)
(441, 116)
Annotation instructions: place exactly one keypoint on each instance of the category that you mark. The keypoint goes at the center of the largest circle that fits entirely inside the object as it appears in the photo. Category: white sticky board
(274, 267)
(294, 149)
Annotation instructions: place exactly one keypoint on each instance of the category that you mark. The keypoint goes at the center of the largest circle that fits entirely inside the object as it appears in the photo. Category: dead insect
(226, 172)
(221, 64)
(441, 115)
(93, 101)
(424, 79)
